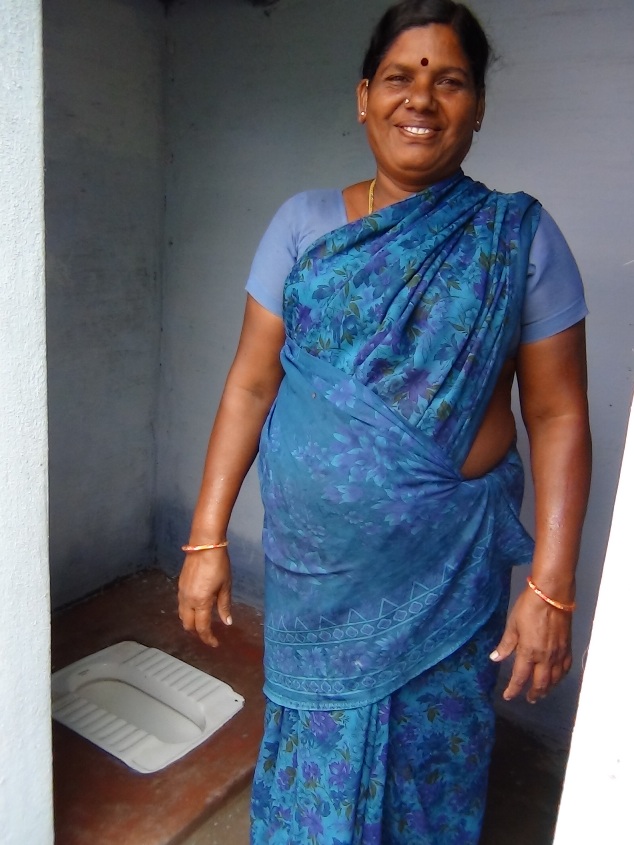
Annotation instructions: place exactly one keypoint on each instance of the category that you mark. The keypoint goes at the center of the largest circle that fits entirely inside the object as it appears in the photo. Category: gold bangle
(222, 545)
(567, 608)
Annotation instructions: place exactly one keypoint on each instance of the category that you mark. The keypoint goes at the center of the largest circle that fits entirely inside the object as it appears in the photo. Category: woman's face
(421, 108)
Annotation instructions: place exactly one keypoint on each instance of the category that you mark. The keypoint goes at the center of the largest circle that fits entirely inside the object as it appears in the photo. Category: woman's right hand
(205, 581)
(251, 388)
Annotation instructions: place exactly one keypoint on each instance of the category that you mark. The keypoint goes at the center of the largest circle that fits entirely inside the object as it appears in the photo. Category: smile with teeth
(417, 130)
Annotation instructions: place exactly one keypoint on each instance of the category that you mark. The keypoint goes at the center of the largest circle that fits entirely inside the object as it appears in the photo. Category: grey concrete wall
(26, 806)
(103, 70)
(260, 104)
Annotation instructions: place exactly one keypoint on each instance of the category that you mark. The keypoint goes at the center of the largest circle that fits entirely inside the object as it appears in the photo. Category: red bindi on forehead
(424, 62)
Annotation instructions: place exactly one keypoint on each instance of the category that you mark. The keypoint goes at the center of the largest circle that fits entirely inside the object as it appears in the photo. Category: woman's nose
(421, 96)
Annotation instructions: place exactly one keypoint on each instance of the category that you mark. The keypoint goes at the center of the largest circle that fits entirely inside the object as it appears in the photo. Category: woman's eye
(397, 78)
(451, 82)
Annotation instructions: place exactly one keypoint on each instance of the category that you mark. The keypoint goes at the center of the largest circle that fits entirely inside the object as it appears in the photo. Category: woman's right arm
(251, 387)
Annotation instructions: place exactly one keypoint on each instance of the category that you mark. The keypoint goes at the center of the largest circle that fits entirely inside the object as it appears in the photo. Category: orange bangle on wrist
(221, 545)
(567, 608)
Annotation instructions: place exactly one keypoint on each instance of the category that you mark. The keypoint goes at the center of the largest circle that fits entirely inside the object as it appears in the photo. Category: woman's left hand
(552, 382)
(540, 637)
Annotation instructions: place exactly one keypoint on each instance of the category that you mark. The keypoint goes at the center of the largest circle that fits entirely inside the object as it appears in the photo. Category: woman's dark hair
(412, 13)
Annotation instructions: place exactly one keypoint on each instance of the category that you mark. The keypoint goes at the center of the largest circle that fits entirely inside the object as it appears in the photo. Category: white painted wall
(103, 70)
(599, 785)
(25, 742)
(260, 104)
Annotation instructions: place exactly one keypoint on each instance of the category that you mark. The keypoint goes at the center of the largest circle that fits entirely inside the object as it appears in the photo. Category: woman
(376, 382)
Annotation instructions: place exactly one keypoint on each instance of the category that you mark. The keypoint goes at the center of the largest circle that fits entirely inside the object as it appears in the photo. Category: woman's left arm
(553, 395)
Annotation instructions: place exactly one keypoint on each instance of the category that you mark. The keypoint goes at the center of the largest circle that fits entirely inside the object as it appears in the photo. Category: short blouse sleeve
(554, 299)
(294, 227)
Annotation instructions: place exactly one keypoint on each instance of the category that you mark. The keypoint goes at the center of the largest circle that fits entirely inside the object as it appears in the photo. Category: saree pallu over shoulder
(420, 301)
(381, 558)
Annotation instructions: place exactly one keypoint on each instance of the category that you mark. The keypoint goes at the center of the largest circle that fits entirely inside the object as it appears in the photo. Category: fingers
(521, 668)
(525, 672)
(203, 583)
(540, 675)
(198, 620)
(203, 626)
(539, 639)
(560, 670)
(505, 647)
(224, 604)
(537, 674)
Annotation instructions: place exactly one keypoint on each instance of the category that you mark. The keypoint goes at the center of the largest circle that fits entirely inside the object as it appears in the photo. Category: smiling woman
(420, 117)
(384, 326)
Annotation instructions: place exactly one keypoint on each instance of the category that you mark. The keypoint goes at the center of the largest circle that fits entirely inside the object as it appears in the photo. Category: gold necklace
(371, 196)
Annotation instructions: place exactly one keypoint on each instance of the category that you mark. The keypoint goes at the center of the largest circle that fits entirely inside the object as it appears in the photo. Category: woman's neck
(365, 197)
(386, 192)
(389, 189)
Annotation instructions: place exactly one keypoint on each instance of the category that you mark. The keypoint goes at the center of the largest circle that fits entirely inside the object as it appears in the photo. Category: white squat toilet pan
(140, 704)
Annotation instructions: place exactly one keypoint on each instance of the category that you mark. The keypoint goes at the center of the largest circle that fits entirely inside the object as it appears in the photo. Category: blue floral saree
(382, 560)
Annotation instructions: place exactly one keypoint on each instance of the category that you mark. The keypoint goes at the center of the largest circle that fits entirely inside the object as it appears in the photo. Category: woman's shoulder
(312, 200)
(306, 216)
(298, 222)
(308, 208)
(301, 219)
(550, 247)
(524, 206)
